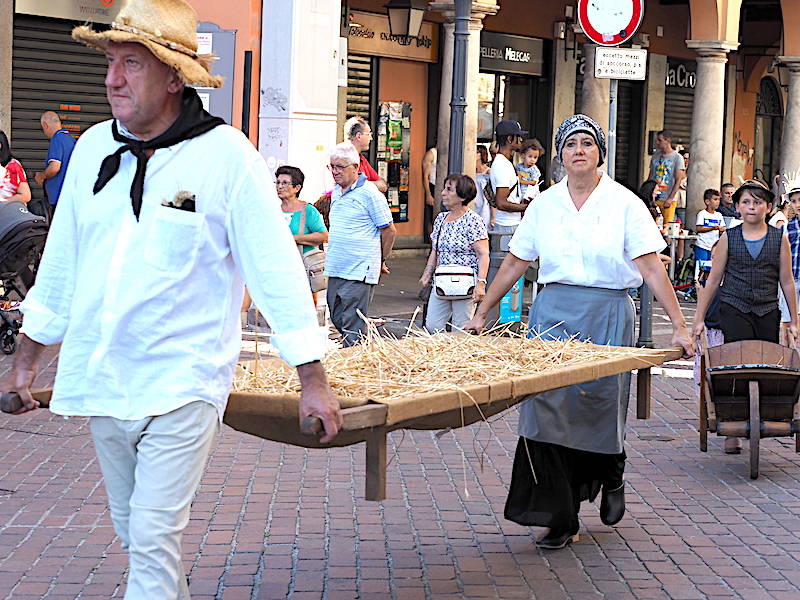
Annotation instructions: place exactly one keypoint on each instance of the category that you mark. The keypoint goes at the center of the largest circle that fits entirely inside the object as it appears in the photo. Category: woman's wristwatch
(479, 280)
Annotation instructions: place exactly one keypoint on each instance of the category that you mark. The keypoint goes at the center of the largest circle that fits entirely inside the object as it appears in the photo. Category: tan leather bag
(313, 260)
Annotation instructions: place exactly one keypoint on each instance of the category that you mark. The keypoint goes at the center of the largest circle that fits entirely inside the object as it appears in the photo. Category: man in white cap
(141, 283)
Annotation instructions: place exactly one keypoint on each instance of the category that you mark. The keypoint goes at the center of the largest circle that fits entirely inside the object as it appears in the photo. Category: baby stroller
(22, 237)
(684, 284)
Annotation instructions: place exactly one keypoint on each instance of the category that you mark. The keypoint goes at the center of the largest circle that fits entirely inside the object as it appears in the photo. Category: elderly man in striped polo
(361, 237)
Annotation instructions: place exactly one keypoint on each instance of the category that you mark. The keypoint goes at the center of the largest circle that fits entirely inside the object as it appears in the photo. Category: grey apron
(588, 416)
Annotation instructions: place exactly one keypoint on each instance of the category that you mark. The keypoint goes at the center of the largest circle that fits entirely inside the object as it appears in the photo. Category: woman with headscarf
(594, 240)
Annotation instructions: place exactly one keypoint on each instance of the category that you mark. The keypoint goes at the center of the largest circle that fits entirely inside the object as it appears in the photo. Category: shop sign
(369, 34)
(511, 53)
(620, 63)
(97, 11)
(682, 74)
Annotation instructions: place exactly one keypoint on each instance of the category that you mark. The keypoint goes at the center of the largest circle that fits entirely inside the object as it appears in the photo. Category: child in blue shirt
(527, 171)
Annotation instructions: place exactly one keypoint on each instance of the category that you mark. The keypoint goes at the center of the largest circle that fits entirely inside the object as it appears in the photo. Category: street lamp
(405, 16)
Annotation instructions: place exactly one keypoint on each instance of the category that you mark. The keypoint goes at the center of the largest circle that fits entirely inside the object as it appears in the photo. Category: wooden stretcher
(275, 417)
(750, 389)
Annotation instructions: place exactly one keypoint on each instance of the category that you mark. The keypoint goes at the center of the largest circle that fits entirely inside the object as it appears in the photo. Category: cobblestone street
(275, 521)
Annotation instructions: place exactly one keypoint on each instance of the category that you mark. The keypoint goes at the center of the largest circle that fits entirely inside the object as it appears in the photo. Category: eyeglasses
(280, 183)
(338, 168)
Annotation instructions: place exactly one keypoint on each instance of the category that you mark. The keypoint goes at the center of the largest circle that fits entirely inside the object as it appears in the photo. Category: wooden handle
(311, 426)
(10, 402)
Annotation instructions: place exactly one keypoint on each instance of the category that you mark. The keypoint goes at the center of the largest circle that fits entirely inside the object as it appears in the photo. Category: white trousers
(442, 311)
(152, 468)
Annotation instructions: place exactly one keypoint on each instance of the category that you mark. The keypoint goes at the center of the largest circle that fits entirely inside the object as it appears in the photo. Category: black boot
(612, 503)
(556, 539)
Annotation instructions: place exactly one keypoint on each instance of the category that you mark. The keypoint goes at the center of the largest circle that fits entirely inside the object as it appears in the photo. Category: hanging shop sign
(369, 34)
(610, 22)
(511, 53)
(97, 11)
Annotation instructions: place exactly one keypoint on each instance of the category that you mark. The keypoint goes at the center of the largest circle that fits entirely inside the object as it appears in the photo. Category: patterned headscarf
(583, 124)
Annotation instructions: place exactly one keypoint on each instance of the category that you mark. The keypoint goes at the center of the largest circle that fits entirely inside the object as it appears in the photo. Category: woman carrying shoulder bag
(305, 221)
(459, 260)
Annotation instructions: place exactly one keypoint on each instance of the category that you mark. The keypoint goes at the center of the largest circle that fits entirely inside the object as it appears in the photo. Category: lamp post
(405, 16)
(458, 101)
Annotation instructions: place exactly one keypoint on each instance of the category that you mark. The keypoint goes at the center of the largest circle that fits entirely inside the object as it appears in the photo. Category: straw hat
(165, 27)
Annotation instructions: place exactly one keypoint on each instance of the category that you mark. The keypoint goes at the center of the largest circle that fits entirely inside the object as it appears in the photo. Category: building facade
(721, 75)
(44, 69)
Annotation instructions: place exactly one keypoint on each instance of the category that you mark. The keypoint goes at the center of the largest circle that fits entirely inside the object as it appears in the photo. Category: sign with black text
(620, 63)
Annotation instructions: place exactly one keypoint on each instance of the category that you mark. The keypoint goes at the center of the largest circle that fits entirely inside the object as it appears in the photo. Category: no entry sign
(610, 22)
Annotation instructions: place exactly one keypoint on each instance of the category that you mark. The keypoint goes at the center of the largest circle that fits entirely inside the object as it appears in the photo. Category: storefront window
(486, 85)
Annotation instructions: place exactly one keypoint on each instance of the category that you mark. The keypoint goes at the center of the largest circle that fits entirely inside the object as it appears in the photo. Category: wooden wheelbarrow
(274, 417)
(750, 389)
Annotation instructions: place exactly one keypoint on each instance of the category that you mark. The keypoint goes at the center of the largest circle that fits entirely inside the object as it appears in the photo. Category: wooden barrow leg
(755, 429)
(643, 379)
(703, 407)
(376, 464)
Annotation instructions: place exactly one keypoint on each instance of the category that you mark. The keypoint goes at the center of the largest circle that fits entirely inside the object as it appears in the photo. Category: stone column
(595, 92)
(564, 75)
(299, 88)
(6, 43)
(654, 102)
(790, 141)
(443, 126)
(480, 9)
(705, 167)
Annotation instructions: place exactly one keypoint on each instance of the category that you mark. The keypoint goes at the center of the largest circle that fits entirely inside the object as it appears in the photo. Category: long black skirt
(565, 477)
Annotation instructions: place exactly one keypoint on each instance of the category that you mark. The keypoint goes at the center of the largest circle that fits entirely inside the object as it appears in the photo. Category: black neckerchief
(192, 122)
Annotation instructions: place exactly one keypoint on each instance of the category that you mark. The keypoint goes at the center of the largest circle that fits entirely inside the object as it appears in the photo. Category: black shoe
(555, 540)
(612, 505)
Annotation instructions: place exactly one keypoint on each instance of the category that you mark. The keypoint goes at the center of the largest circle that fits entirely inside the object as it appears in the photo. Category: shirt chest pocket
(173, 239)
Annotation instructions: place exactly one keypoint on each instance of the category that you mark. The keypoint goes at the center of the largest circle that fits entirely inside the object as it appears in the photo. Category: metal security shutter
(622, 156)
(362, 93)
(52, 72)
(678, 105)
(359, 86)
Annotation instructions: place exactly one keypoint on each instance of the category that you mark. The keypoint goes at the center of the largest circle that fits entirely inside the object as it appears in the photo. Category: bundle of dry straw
(387, 368)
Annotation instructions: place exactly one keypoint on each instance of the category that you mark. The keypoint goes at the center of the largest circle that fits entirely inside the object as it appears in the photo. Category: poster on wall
(394, 142)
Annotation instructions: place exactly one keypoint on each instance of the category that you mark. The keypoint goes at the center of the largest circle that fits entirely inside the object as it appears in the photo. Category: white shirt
(778, 217)
(503, 174)
(594, 246)
(148, 311)
(707, 239)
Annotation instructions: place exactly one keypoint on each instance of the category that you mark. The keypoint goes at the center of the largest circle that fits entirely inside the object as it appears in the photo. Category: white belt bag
(453, 282)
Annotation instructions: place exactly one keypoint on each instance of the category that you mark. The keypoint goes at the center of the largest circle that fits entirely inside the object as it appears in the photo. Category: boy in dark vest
(750, 261)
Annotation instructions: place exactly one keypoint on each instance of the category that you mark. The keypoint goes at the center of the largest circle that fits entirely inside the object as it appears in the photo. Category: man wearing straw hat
(162, 208)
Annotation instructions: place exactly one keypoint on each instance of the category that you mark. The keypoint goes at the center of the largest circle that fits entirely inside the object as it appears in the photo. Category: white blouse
(594, 246)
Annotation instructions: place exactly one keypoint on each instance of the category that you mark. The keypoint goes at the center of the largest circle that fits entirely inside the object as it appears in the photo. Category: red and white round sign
(610, 22)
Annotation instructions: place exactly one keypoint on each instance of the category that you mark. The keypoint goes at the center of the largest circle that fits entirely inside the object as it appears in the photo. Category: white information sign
(620, 63)
(205, 43)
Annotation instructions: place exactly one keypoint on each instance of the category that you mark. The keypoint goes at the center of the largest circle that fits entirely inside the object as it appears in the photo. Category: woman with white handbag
(459, 261)
(306, 224)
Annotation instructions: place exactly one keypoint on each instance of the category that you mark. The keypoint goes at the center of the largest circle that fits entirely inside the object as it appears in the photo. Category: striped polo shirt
(357, 216)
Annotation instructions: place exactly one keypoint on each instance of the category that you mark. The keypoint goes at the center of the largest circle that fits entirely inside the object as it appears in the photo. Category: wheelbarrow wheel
(755, 429)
